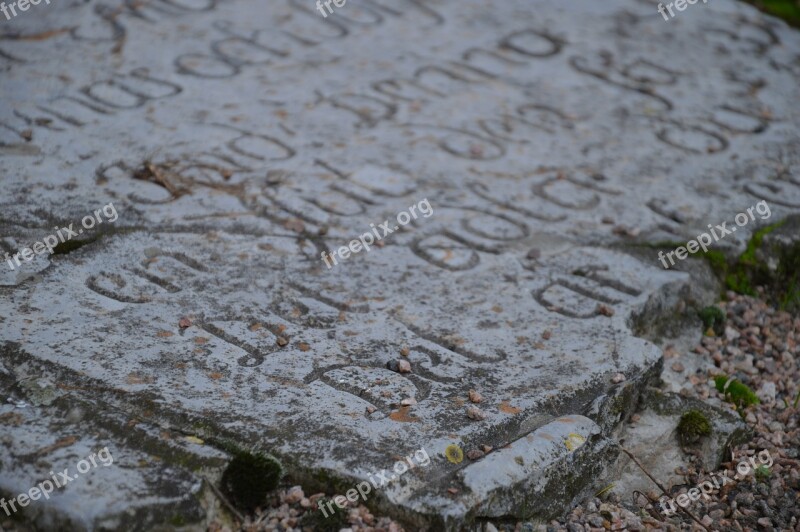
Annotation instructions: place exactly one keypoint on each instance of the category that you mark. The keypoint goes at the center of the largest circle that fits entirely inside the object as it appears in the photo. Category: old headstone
(238, 141)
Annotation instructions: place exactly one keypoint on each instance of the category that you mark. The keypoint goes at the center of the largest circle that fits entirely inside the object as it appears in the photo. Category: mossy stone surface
(771, 260)
(693, 426)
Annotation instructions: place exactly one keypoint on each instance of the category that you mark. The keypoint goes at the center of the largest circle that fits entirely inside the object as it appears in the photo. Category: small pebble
(731, 334)
(475, 397)
(767, 392)
(400, 366)
(475, 454)
(294, 495)
(475, 413)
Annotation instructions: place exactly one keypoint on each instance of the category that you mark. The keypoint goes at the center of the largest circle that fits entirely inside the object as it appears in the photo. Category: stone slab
(148, 476)
(238, 142)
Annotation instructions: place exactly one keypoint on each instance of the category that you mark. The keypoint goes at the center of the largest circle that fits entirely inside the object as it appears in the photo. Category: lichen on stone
(454, 454)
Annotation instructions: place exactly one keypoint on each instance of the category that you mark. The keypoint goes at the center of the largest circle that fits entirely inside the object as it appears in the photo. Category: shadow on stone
(249, 478)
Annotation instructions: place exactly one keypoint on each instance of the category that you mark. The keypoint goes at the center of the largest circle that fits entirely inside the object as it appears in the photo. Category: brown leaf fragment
(403, 416)
(508, 409)
(605, 310)
(63, 442)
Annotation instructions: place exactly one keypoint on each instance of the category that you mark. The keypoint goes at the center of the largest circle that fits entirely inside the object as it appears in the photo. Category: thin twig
(263, 516)
(224, 500)
(652, 511)
(663, 489)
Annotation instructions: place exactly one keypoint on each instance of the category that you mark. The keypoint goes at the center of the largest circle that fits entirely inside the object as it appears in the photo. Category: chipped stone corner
(653, 440)
(537, 476)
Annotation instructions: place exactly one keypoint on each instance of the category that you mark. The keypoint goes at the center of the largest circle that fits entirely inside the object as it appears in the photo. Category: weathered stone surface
(52, 420)
(653, 439)
(238, 142)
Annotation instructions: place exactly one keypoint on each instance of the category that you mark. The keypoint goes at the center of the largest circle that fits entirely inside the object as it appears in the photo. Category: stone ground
(199, 336)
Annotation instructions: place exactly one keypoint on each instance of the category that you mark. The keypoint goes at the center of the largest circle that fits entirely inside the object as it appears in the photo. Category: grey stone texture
(239, 140)
(654, 440)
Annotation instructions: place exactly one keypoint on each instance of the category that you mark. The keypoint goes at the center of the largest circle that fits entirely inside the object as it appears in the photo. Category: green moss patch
(693, 426)
(789, 273)
(177, 520)
(762, 473)
(746, 272)
(743, 274)
(249, 478)
(713, 318)
(735, 392)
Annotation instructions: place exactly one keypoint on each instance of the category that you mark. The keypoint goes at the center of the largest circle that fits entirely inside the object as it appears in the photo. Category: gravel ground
(291, 506)
(760, 347)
